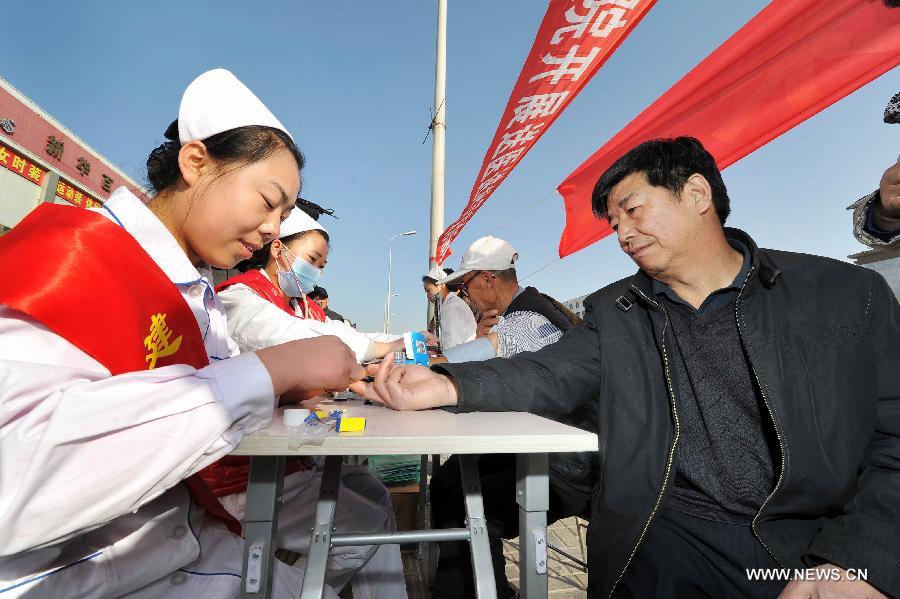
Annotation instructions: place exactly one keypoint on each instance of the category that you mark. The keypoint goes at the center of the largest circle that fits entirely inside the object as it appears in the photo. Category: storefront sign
(21, 165)
(67, 192)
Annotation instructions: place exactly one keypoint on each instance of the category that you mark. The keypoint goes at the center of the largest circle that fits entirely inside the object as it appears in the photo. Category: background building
(42, 161)
(576, 305)
(887, 262)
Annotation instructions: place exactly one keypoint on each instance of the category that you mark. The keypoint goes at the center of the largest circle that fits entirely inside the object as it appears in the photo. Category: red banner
(792, 60)
(574, 40)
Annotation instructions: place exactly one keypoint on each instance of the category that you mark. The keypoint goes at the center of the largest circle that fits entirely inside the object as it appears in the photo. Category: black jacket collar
(761, 266)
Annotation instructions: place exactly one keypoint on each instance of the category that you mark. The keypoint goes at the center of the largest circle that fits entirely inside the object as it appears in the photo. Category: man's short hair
(318, 293)
(508, 275)
(666, 163)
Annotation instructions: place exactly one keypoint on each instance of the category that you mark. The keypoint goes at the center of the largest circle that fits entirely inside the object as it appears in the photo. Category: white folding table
(411, 433)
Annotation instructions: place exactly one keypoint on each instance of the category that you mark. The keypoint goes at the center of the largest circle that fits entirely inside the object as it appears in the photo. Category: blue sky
(354, 83)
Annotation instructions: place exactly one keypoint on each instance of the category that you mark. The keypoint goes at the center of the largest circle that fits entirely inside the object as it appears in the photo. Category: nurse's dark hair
(261, 256)
(666, 163)
(241, 146)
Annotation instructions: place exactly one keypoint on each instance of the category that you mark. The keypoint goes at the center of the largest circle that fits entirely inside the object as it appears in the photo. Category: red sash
(314, 311)
(230, 474)
(266, 289)
(87, 280)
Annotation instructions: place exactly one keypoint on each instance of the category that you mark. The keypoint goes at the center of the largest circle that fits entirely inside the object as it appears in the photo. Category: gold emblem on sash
(158, 340)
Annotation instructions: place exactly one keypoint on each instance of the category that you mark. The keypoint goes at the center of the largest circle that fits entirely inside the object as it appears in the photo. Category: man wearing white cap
(527, 321)
(456, 318)
(108, 414)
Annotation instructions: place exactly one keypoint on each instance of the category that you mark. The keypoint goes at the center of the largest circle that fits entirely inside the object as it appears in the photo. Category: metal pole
(387, 302)
(439, 130)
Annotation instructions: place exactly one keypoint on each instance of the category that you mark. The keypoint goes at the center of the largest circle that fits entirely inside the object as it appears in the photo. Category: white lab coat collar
(128, 210)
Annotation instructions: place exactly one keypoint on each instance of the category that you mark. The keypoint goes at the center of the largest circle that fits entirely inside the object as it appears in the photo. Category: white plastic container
(295, 423)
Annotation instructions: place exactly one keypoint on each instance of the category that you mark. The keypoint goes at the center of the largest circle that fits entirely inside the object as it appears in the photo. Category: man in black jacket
(748, 401)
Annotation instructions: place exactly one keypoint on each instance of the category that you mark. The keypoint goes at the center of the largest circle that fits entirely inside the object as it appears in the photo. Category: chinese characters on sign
(107, 183)
(71, 194)
(84, 166)
(21, 165)
(574, 40)
(8, 125)
(55, 147)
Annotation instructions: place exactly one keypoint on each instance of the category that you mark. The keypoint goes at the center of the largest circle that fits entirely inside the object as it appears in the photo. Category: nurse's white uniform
(256, 323)
(91, 503)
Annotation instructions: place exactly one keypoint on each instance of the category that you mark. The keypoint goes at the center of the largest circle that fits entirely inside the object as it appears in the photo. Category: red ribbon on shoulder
(121, 309)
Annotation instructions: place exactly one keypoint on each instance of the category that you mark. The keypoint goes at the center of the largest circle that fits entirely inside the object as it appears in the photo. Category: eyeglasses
(464, 286)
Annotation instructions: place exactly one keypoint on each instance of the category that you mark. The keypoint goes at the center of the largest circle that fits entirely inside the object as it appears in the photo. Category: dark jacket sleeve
(867, 535)
(554, 380)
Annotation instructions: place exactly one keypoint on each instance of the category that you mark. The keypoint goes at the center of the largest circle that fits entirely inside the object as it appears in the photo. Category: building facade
(42, 161)
(886, 262)
(576, 305)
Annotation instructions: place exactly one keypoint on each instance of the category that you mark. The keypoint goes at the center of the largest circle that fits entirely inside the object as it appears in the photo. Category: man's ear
(698, 192)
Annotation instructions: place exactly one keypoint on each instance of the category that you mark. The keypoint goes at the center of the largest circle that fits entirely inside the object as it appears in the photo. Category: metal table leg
(320, 543)
(260, 522)
(533, 497)
(423, 520)
(480, 548)
(431, 558)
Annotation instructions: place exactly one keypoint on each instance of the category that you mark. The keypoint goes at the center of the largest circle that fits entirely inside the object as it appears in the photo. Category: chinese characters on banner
(21, 165)
(792, 60)
(65, 191)
(574, 40)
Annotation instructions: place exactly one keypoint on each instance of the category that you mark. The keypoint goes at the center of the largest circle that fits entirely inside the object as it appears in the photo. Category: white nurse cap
(298, 222)
(217, 101)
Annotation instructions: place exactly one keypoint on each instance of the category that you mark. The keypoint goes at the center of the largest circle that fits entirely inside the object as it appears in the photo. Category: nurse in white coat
(92, 450)
(266, 305)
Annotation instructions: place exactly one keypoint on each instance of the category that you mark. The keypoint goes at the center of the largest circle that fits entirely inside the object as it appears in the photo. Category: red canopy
(792, 60)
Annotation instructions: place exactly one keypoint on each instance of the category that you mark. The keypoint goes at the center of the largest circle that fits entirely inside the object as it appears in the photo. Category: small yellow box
(322, 414)
(349, 425)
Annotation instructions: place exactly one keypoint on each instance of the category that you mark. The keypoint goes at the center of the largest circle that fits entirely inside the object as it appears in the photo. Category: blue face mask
(301, 279)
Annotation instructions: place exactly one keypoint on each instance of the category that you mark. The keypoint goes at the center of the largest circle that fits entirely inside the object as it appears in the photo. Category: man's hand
(308, 364)
(831, 589)
(407, 387)
(487, 321)
(886, 215)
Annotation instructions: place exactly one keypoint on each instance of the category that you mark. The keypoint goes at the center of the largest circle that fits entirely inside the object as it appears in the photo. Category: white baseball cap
(217, 101)
(487, 253)
(298, 222)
